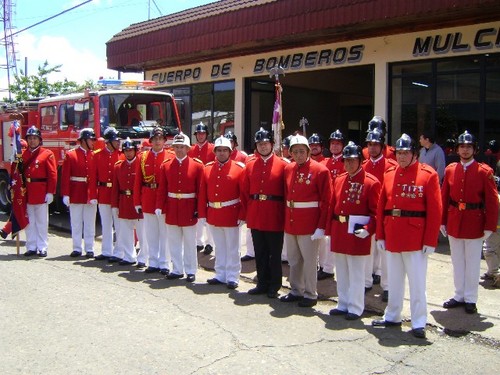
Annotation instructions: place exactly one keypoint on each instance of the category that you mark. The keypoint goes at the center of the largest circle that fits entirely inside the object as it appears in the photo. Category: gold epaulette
(197, 160)
(240, 164)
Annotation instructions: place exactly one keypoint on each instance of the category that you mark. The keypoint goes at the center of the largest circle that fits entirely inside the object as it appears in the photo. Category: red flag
(278, 125)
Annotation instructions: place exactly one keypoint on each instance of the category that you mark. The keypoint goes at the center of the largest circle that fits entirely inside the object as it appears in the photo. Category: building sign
(484, 39)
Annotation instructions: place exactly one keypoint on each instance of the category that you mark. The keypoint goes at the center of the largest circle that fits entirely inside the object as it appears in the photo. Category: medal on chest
(354, 192)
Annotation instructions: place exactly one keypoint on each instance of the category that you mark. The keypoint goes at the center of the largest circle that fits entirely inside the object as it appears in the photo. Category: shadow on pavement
(456, 322)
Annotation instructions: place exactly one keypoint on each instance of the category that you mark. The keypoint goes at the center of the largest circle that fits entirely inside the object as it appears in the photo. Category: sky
(77, 39)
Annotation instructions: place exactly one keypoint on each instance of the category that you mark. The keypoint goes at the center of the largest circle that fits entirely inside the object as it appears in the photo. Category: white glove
(66, 200)
(428, 250)
(115, 211)
(158, 212)
(138, 209)
(442, 229)
(361, 233)
(381, 245)
(318, 234)
(49, 198)
(487, 234)
(241, 223)
(93, 201)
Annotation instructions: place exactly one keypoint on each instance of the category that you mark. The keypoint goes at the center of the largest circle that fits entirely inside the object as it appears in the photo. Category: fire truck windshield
(135, 114)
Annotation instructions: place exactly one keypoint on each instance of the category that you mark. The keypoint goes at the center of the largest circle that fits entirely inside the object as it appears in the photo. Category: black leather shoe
(152, 270)
(257, 290)
(208, 250)
(141, 265)
(247, 258)
(290, 298)
(232, 285)
(272, 294)
(337, 312)
(173, 276)
(351, 316)
(322, 275)
(125, 263)
(101, 257)
(89, 255)
(376, 279)
(385, 296)
(30, 253)
(75, 254)
(42, 254)
(452, 303)
(165, 271)
(190, 278)
(385, 323)
(470, 308)
(419, 333)
(214, 281)
(114, 259)
(199, 247)
(307, 302)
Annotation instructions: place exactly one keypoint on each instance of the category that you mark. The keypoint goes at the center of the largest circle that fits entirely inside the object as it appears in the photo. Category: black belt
(341, 218)
(466, 206)
(29, 179)
(403, 213)
(154, 185)
(265, 197)
(105, 184)
(126, 192)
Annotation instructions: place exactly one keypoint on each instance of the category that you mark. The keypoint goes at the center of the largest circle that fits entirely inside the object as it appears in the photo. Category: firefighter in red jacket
(236, 154)
(145, 188)
(408, 218)
(262, 196)
(180, 179)
(335, 164)
(316, 146)
(377, 122)
(105, 160)
(470, 203)
(351, 222)
(40, 173)
(202, 150)
(122, 203)
(79, 191)
(307, 195)
(219, 204)
(376, 164)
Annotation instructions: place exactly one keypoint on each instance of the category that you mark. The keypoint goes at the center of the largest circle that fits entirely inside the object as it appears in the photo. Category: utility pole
(8, 42)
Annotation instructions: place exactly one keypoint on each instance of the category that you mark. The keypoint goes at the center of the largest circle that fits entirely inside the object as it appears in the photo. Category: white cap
(181, 139)
(298, 140)
(222, 142)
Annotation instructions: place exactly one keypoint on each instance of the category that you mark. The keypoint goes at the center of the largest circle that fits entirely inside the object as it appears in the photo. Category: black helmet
(128, 144)
(337, 136)
(352, 151)
(378, 122)
(201, 128)
(111, 134)
(405, 143)
(156, 131)
(467, 138)
(170, 131)
(374, 136)
(315, 138)
(33, 130)
(286, 141)
(263, 135)
(232, 137)
(450, 142)
(87, 133)
(493, 146)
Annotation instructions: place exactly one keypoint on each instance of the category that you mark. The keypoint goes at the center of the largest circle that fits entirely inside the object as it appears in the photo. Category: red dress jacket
(262, 179)
(122, 192)
(238, 155)
(204, 153)
(474, 186)
(335, 166)
(220, 184)
(78, 176)
(40, 171)
(352, 196)
(308, 183)
(147, 180)
(416, 189)
(176, 181)
(105, 163)
(379, 167)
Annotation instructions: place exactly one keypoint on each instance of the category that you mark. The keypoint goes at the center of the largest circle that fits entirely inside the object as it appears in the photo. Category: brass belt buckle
(290, 204)
(461, 206)
(396, 212)
(342, 219)
(28, 179)
(262, 197)
(178, 195)
(217, 204)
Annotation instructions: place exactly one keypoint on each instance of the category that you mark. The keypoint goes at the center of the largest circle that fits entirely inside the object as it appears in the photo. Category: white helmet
(181, 139)
(222, 142)
(298, 140)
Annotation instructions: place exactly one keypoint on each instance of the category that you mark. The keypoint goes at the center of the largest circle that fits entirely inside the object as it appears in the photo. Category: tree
(38, 86)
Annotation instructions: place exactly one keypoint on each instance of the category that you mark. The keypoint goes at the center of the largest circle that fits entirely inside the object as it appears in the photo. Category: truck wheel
(5, 201)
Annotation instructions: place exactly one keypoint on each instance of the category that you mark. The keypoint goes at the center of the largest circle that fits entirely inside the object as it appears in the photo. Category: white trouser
(227, 253)
(350, 283)
(203, 234)
(303, 260)
(182, 245)
(414, 265)
(125, 239)
(373, 265)
(249, 241)
(108, 221)
(466, 260)
(37, 230)
(326, 257)
(155, 231)
(284, 253)
(143, 255)
(82, 218)
(491, 252)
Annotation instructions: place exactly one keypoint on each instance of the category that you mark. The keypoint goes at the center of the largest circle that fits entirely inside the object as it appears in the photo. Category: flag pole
(278, 124)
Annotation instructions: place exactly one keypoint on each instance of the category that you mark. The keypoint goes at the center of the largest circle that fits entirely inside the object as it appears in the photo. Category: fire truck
(130, 107)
